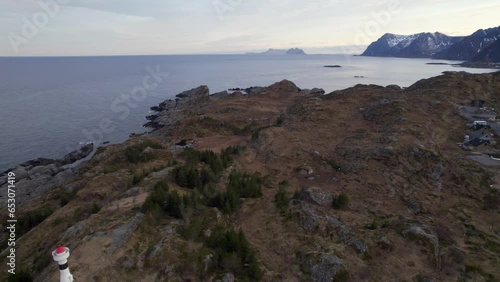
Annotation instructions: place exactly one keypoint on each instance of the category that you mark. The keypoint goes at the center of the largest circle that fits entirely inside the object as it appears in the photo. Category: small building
(480, 124)
(480, 137)
(478, 142)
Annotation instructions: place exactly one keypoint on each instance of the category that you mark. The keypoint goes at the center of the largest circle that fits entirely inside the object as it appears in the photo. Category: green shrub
(341, 201)
(234, 254)
(193, 231)
(373, 225)
(95, 208)
(281, 200)
(65, 197)
(491, 200)
(241, 185)
(279, 121)
(228, 202)
(187, 176)
(284, 184)
(31, 219)
(167, 202)
(134, 153)
(41, 261)
(227, 154)
(21, 276)
(245, 185)
(208, 157)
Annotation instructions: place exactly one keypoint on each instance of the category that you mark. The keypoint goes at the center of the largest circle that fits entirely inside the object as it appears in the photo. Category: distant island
(292, 51)
(481, 49)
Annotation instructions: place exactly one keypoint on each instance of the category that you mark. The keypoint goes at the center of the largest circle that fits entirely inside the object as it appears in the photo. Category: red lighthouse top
(60, 249)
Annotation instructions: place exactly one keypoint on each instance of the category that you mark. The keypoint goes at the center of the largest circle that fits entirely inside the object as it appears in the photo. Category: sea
(50, 106)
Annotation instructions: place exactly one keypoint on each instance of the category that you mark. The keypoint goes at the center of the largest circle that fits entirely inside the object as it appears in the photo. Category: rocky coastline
(35, 177)
(352, 185)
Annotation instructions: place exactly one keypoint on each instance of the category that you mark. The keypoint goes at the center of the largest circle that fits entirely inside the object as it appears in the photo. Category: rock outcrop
(36, 177)
(419, 232)
(324, 267)
(316, 196)
(171, 112)
(344, 233)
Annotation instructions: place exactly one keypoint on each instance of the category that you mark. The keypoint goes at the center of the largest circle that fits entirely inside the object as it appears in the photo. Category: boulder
(228, 277)
(200, 92)
(284, 86)
(317, 91)
(423, 233)
(307, 218)
(121, 234)
(385, 243)
(324, 267)
(42, 171)
(316, 196)
(255, 90)
(394, 86)
(20, 173)
(344, 233)
(413, 204)
(236, 94)
(221, 94)
(76, 155)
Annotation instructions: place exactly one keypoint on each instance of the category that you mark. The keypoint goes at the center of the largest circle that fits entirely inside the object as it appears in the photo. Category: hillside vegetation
(362, 184)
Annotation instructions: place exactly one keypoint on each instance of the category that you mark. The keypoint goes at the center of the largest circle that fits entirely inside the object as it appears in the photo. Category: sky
(135, 27)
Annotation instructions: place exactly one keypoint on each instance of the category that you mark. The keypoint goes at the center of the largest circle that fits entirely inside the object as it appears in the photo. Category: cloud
(195, 26)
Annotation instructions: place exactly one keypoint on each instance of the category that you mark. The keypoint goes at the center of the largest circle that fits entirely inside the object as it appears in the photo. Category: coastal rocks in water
(200, 92)
(323, 267)
(36, 177)
(316, 196)
(39, 182)
(79, 154)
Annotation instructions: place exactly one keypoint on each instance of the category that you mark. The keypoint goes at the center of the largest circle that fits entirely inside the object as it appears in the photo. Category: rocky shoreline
(480, 65)
(35, 177)
(355, 184)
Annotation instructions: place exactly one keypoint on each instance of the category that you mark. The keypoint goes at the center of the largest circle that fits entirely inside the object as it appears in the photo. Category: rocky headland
(280, 183)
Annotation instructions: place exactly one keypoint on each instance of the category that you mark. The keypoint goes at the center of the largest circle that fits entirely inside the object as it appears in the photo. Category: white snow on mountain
(402, 41)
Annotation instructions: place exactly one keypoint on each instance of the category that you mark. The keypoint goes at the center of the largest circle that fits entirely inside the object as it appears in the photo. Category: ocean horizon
(53, 105)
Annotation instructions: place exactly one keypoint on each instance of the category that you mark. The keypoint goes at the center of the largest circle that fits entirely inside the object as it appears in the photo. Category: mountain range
(292, 51)
(481, 46)
(421, 45)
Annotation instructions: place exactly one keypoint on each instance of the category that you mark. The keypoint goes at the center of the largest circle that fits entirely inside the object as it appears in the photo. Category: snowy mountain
(421, 45)
(470, 46)
(490, 54)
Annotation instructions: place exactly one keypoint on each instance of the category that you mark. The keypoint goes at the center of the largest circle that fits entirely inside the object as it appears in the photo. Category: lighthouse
(61, 255)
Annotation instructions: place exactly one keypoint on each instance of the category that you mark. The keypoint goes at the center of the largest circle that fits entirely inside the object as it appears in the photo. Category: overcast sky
(114, 27)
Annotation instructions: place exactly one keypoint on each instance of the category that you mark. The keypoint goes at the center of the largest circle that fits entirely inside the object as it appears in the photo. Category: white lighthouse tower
(61, 255)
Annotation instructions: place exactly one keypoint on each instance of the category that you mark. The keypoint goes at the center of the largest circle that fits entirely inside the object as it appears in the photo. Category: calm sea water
(51, 105)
